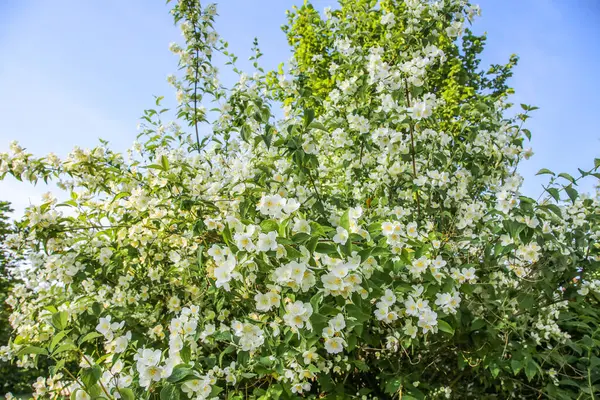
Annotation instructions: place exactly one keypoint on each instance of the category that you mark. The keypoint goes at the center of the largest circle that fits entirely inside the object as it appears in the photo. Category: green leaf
(445, 327)
(60, 320)
(317, 125)
(269, 225)
(345, 220)
(351, 342)
(154, 166)
(120, 196)
(552, 207)
(393, 385)
(300, 237)
(513, 227)
(164, 162)
(309, 116)
(567, 177)
(356, 312)
(477, 324)
(526, 301)
(63, 348)
(97, 308)
(56, 339)
(90, 336)
(199, 256)
(554, 192)
(316, 300)
(227, 235)
(572, 193)
(292, 253)
(326, 248)
(180, 372)
(494, 369)
(215, 390)
(56, 368)
(318, 321)
(516, 366)
(544, 171)
(127, 394)
(32, 350)
(169, 392)
(531, 369)
(362, 366)
(228, 349)
(89, 376)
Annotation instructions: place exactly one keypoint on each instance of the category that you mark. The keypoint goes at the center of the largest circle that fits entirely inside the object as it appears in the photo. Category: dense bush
(12, 378)
(372, 243)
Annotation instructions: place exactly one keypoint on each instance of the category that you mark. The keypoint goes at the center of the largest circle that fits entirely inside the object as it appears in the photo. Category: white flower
(121, 342)
(267, 242)
(298, 314)
(334, 345)
(412, 230)
(291, 206)
(428, 321)
(421, 110)
(301, 225)
(80, 395)
(244, 241)
(388, 19)
(455, 29)
(341, 236)
(266, 301)
(409, 329)
(337, 323)
(310, 355)
(388, 298)
(419, 266)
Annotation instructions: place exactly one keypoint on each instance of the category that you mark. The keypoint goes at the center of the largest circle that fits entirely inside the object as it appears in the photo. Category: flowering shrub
(371, 243)
(13, 379)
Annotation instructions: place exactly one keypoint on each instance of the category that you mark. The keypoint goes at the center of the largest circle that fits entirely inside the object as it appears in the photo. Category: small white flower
(334, 345)
(341, 236)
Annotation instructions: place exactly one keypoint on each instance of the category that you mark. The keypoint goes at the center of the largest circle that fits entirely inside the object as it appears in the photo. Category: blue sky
(73, 71)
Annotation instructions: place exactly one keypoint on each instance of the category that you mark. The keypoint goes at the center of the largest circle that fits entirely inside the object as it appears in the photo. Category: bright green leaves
(309, 116)
(345, 220)
(326, 248)
(32, 350)
(269, 225)
(531, 369)
(445, 327)
(525, 107)
(127, 394)
(169, 392)
(57, 339)
(164, 162)
(179, 373)
(566, 176)
(545, 171)
(90, 376)
(60, 320)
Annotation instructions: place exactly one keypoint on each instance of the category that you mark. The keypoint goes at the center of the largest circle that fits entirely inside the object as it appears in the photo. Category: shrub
(13, 379)
(371, 243)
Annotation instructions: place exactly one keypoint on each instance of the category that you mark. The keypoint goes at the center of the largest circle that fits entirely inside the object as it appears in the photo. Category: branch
(412, 151)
